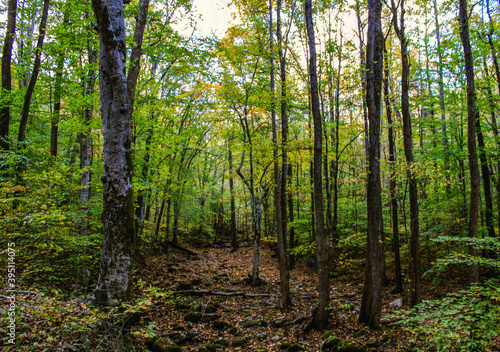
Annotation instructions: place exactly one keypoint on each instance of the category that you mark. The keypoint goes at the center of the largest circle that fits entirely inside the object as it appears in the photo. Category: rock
(397, 303)
(278, 322)
(150, 341)
(164, 344)
(238, 342)
(330, 344)
(220, 325)
(193, 317)
(196, 282)
(178, 327)
(253, 324)
(212, 347)
(295, 347)
(183, 286)
(349, 347)
(211, 308)
(212, 317)
(181, 306)
(222, 342)
(195, 306)
(227, 309)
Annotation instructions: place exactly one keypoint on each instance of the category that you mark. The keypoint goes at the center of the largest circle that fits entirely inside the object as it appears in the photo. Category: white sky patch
(213, 18)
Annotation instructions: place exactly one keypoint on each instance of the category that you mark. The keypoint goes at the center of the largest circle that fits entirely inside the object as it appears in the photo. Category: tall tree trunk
(471, 133)
(7, 75)
(54, 122)
(234, 235)
(414, 265)
(285, 299)
(117, 97)
(291, 260)
(392, 180)
(86, 139)
(485, 173)
(441, 91)
(371, 303)
(491, 34)
(321, 244)
(34, 75)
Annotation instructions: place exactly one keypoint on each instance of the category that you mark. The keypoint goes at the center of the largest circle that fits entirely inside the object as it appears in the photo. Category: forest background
(283, 130)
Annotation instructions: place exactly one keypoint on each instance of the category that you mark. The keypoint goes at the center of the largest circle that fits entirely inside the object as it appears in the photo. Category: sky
(215, 16)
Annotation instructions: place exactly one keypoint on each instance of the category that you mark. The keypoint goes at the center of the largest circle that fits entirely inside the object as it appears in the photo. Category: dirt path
(249, 323)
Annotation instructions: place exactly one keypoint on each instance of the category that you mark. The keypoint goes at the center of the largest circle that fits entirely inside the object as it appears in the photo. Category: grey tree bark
(117, 97)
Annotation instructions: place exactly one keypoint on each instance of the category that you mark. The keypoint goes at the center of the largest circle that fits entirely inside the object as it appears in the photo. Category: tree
(471, 133)
(7, 74)
(408, 148)
(117, 97)
(392, 181)
(34, 74)
(285, 299)
(371, 303)
(321, 319)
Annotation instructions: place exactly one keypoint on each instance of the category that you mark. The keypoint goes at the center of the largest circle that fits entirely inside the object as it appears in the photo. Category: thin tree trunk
(34, 75)
(285, 299)
(392, 180)
(7, 75)
(441, 92)
(414, 265)
(321, 319)
(371, 302)
(234, 235)
(471, 134)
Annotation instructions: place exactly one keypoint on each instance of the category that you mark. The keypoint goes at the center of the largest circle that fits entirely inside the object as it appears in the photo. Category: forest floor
(202, 301)
(244, 322)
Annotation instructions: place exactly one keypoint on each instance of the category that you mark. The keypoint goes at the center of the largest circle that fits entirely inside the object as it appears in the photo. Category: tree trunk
(441, 92)
(34, 75)
(414, 265)
(117, 96)
(371, 303)
(392, 180)
(321, 319)
(285, 299)
(234, 235)
(7, 75)
(471, 134)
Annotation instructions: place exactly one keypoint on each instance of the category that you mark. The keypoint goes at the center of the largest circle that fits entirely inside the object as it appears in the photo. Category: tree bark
(7, 75)
(371, 303)
(285, 299)
(471, 134)
(414, 265)
(234, 235)
(321, 319)
(392, 180)
(117, 97)
(34, 75)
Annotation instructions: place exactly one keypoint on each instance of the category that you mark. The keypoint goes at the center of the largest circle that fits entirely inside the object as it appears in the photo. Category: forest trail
(242, 323)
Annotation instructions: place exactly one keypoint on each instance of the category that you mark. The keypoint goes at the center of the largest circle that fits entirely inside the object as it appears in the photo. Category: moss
(349, 347)
(193, 317)
(295, 347)
(331, 343)
(222, 342)
(238, 342)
